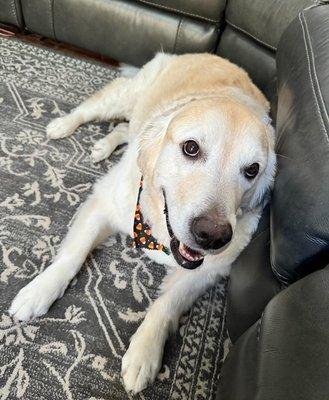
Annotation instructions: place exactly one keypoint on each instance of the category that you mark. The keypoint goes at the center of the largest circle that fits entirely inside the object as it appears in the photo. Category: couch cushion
(257, 60)
(11, 13)
(210, 10)
(126, 31)
(300, 212)
(262, 20)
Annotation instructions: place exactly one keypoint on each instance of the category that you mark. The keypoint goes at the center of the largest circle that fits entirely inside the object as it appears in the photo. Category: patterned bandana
(143, 237)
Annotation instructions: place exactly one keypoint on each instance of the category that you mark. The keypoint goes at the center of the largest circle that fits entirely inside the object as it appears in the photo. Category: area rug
(74, 352)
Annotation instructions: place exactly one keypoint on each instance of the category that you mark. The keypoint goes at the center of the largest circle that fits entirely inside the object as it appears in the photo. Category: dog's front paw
(61, 127)
(102, 149)
(142, 362)
(35, 298)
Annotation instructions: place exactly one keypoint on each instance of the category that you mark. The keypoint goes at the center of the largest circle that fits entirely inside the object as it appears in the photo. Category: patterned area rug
(75, 351)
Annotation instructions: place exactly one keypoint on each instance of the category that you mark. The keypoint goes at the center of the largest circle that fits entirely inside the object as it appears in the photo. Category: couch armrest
(285, 355)
(300, 212)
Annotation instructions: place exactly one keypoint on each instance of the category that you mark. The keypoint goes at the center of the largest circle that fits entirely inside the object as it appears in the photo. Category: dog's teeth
(186, 254)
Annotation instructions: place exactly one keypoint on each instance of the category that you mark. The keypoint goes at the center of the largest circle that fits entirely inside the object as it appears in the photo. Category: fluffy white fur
(227, 122)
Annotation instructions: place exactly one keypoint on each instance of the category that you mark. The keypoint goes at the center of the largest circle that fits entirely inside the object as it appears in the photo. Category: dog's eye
(191, 148)
(251, 171)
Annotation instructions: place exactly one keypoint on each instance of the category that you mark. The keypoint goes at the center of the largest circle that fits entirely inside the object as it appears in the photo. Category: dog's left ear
(262, 193)
(150, 142)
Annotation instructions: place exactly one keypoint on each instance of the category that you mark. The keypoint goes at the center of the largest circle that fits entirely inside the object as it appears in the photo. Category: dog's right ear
(150, 142)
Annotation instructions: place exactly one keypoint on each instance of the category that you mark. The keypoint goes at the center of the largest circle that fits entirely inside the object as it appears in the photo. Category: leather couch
(278, 298)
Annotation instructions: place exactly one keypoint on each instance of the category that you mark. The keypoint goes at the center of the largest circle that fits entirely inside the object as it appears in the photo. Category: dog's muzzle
(185, 256)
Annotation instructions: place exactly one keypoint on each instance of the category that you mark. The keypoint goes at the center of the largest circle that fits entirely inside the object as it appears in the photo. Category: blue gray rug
(75, 351)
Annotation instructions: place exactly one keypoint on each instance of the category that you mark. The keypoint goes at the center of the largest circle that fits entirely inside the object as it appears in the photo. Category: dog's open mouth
(185, 256)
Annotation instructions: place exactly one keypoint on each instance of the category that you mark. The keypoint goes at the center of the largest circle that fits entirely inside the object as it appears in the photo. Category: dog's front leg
(143, 359)
(89, 228)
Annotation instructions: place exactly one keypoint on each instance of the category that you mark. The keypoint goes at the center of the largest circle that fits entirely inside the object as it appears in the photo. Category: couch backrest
(129, 31)
(250, 38)
(132, 31)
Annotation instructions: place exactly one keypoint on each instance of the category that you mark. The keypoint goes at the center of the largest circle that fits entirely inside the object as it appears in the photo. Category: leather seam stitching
(281, 277)
(259, 327)
(250, 35)
(179, 11)
(314, 69)
(14, 10)
(311, 77)
(51, 13)
(177, 34)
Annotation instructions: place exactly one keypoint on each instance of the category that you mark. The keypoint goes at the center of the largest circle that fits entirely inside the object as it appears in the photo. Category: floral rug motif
(74, 352)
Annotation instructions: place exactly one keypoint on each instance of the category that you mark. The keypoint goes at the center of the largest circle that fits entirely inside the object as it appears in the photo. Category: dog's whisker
(282, 156)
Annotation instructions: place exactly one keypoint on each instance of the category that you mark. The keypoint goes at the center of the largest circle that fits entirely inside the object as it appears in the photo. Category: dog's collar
(142, 233)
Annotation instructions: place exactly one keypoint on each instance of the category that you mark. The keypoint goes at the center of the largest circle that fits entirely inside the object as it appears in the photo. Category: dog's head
(214, 160)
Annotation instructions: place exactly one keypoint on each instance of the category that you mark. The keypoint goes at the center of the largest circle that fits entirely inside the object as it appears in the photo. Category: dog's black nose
(210, 234)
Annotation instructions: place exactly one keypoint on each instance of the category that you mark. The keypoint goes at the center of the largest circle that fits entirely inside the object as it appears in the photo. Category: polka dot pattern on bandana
(142, 235)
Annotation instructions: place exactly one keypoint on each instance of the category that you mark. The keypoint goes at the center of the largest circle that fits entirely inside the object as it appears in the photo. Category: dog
(201, 156)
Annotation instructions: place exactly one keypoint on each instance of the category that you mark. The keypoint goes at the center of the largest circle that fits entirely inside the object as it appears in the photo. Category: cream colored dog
(199, 134)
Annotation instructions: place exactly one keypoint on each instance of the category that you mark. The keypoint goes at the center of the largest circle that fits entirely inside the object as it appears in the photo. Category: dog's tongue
(188, 253)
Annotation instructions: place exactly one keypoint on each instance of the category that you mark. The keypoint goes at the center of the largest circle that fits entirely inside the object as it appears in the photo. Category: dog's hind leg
(89, 228)
(104, 147)
(116, 100)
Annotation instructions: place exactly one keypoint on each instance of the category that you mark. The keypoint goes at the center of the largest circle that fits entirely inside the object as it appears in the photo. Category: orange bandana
(143, 237)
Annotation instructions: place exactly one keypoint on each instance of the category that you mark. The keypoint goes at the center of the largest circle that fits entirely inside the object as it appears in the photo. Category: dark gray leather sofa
(278, 314)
